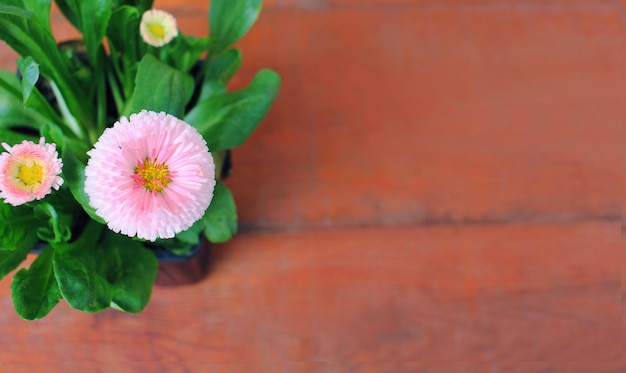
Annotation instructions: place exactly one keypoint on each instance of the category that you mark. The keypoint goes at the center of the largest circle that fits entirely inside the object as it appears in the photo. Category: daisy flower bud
(158, 27)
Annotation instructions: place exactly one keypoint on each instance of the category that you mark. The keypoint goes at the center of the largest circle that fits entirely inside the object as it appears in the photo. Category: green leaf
(220, 220)
(39, 8)
(127, 48)
(10, 84)
(12, 137)
(10, 259)
(12, 111)
(95, 16)
(142, 5)
(74, 176)
(227, 120)
(57, 226)
(176, 246)
(35, 291)
(13, 114)
(219, 72)
(32, 98)
(53, 134)
(16, 222)
(70, 10)
(123, 32)
(189, 236)
(23, 32)
(184, 51)
(80, 67)
(91, 18)
(30, 74)
(159, 87)
(104, 269)
(230, 20)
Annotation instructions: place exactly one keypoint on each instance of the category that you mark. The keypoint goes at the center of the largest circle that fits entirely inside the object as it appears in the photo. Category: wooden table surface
(440, 187)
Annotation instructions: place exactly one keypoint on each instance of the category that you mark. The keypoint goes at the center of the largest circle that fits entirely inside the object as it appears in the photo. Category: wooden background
(440, 187)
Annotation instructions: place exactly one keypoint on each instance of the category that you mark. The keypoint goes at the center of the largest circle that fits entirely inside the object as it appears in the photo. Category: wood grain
(496, 293)
(440, 187)
(328, 367)
(461, 122)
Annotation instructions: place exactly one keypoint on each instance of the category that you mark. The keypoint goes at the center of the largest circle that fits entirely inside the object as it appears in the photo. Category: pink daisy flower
(150, 176)
(29, 171)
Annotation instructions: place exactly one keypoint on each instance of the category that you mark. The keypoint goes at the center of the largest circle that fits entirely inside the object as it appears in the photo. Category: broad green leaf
(10, 259)
(159, 87)
(16, 222)
(219, 72)
(131, 269)
(35, 291)
(103, 269)
(220, 220)
(53, 135)
(189, 236)
(30, 74)
(184, 51)
(230, 20)
(74, 176)
(74, 267)
(56, 225)
(227, 120)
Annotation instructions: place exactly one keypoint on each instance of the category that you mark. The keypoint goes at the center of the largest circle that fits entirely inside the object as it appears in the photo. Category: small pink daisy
(151, 176)
(29, 171)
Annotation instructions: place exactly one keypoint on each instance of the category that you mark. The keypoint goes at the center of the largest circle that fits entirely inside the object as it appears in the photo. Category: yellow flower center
(157, 29)
(30, 175)
(152, 175)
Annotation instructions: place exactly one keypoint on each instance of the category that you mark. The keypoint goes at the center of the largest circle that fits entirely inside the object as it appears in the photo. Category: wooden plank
(326, 367)
(399, 112)
(431, 116)
(497, 294)
(420, 115)
(623, 263)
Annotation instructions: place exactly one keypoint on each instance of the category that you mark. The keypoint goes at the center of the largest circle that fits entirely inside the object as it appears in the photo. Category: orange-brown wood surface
(440, 187)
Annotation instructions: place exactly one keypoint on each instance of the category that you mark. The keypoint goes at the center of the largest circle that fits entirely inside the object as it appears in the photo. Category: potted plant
(113, 146)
